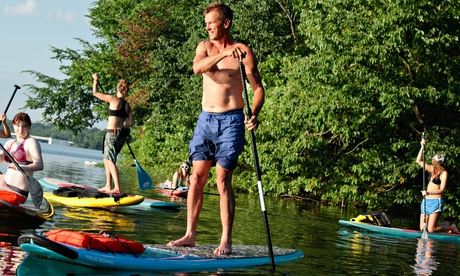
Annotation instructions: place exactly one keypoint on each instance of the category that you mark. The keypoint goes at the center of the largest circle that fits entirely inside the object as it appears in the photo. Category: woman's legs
(432, 222)
(108, 177)
(112, 145)
(111, 173)
(115, 176)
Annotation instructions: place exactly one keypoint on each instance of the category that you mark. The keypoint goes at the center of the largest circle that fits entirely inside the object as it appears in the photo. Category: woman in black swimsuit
(119, 122)
(433, 202)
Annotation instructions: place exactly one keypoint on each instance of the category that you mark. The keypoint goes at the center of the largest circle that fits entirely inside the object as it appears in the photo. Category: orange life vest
(102, 242)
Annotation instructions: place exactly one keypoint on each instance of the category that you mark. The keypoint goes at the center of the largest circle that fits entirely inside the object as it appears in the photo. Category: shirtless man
(219, 135)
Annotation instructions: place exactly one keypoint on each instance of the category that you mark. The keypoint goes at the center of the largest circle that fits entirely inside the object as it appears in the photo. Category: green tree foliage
(350, 87)
(90, 138)
(377, 75)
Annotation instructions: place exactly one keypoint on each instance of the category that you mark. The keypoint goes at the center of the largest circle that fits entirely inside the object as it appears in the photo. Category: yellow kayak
(112, 201)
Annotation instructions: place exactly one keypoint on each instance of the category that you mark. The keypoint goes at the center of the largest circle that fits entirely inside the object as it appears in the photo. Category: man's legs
(227, 209)
(194, 202)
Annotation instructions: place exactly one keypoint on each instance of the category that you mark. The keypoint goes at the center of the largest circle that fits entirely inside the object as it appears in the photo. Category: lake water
(329, 249)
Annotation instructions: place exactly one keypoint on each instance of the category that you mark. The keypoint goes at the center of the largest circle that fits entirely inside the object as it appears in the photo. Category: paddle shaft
(16, 87)
(425, 234)
(131, 150)
(248, 111)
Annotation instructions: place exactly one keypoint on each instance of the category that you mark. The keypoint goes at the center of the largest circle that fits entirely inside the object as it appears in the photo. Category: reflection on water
(38, 266)
(90, 219)
(425, 263)
(10, 257)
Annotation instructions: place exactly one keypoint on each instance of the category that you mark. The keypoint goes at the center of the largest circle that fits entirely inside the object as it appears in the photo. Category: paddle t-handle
(16, 88)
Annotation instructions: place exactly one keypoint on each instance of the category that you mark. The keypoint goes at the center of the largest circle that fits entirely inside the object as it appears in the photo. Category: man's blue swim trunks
(218, 137)
(433, 205)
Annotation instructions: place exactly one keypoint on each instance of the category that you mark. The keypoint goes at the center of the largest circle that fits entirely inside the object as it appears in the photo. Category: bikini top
(19, 154)
(436, 180)
(121, 113)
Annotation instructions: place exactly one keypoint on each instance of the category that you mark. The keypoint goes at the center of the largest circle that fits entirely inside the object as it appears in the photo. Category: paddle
(144, 180)
(35, 189)
(425, 232)
(6, 130)
(16, 87)
(248, 112)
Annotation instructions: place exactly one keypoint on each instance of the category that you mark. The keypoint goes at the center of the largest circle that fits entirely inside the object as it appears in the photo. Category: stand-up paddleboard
(94, 202)
(54, 184)
(155, 258)
(400, 232)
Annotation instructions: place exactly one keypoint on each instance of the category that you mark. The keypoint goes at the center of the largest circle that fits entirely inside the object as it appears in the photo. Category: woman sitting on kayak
(5, 133)
(181, 177)
(433, 202)
(14, 186)
(118, 128)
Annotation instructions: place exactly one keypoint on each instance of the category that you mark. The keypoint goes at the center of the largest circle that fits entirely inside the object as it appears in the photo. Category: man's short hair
(225, 12)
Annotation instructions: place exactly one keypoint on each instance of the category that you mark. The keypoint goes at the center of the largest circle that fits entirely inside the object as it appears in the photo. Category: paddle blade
(425, 234)
(36, 192)
(143, 178)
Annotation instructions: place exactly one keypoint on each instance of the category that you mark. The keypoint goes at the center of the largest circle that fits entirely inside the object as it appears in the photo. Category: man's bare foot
(184, 241)
(223, 249)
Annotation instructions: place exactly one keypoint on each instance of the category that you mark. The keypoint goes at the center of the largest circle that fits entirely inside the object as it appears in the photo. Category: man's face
(214, 25)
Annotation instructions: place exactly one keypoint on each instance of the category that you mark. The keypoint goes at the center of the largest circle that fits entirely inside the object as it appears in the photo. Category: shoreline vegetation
(90, 138)
(351, 86)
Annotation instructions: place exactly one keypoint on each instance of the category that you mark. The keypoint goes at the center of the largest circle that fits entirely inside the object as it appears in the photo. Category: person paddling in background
(118, 128)
(14, 186)
(433, 202)
(5, 133)
(219, 134)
